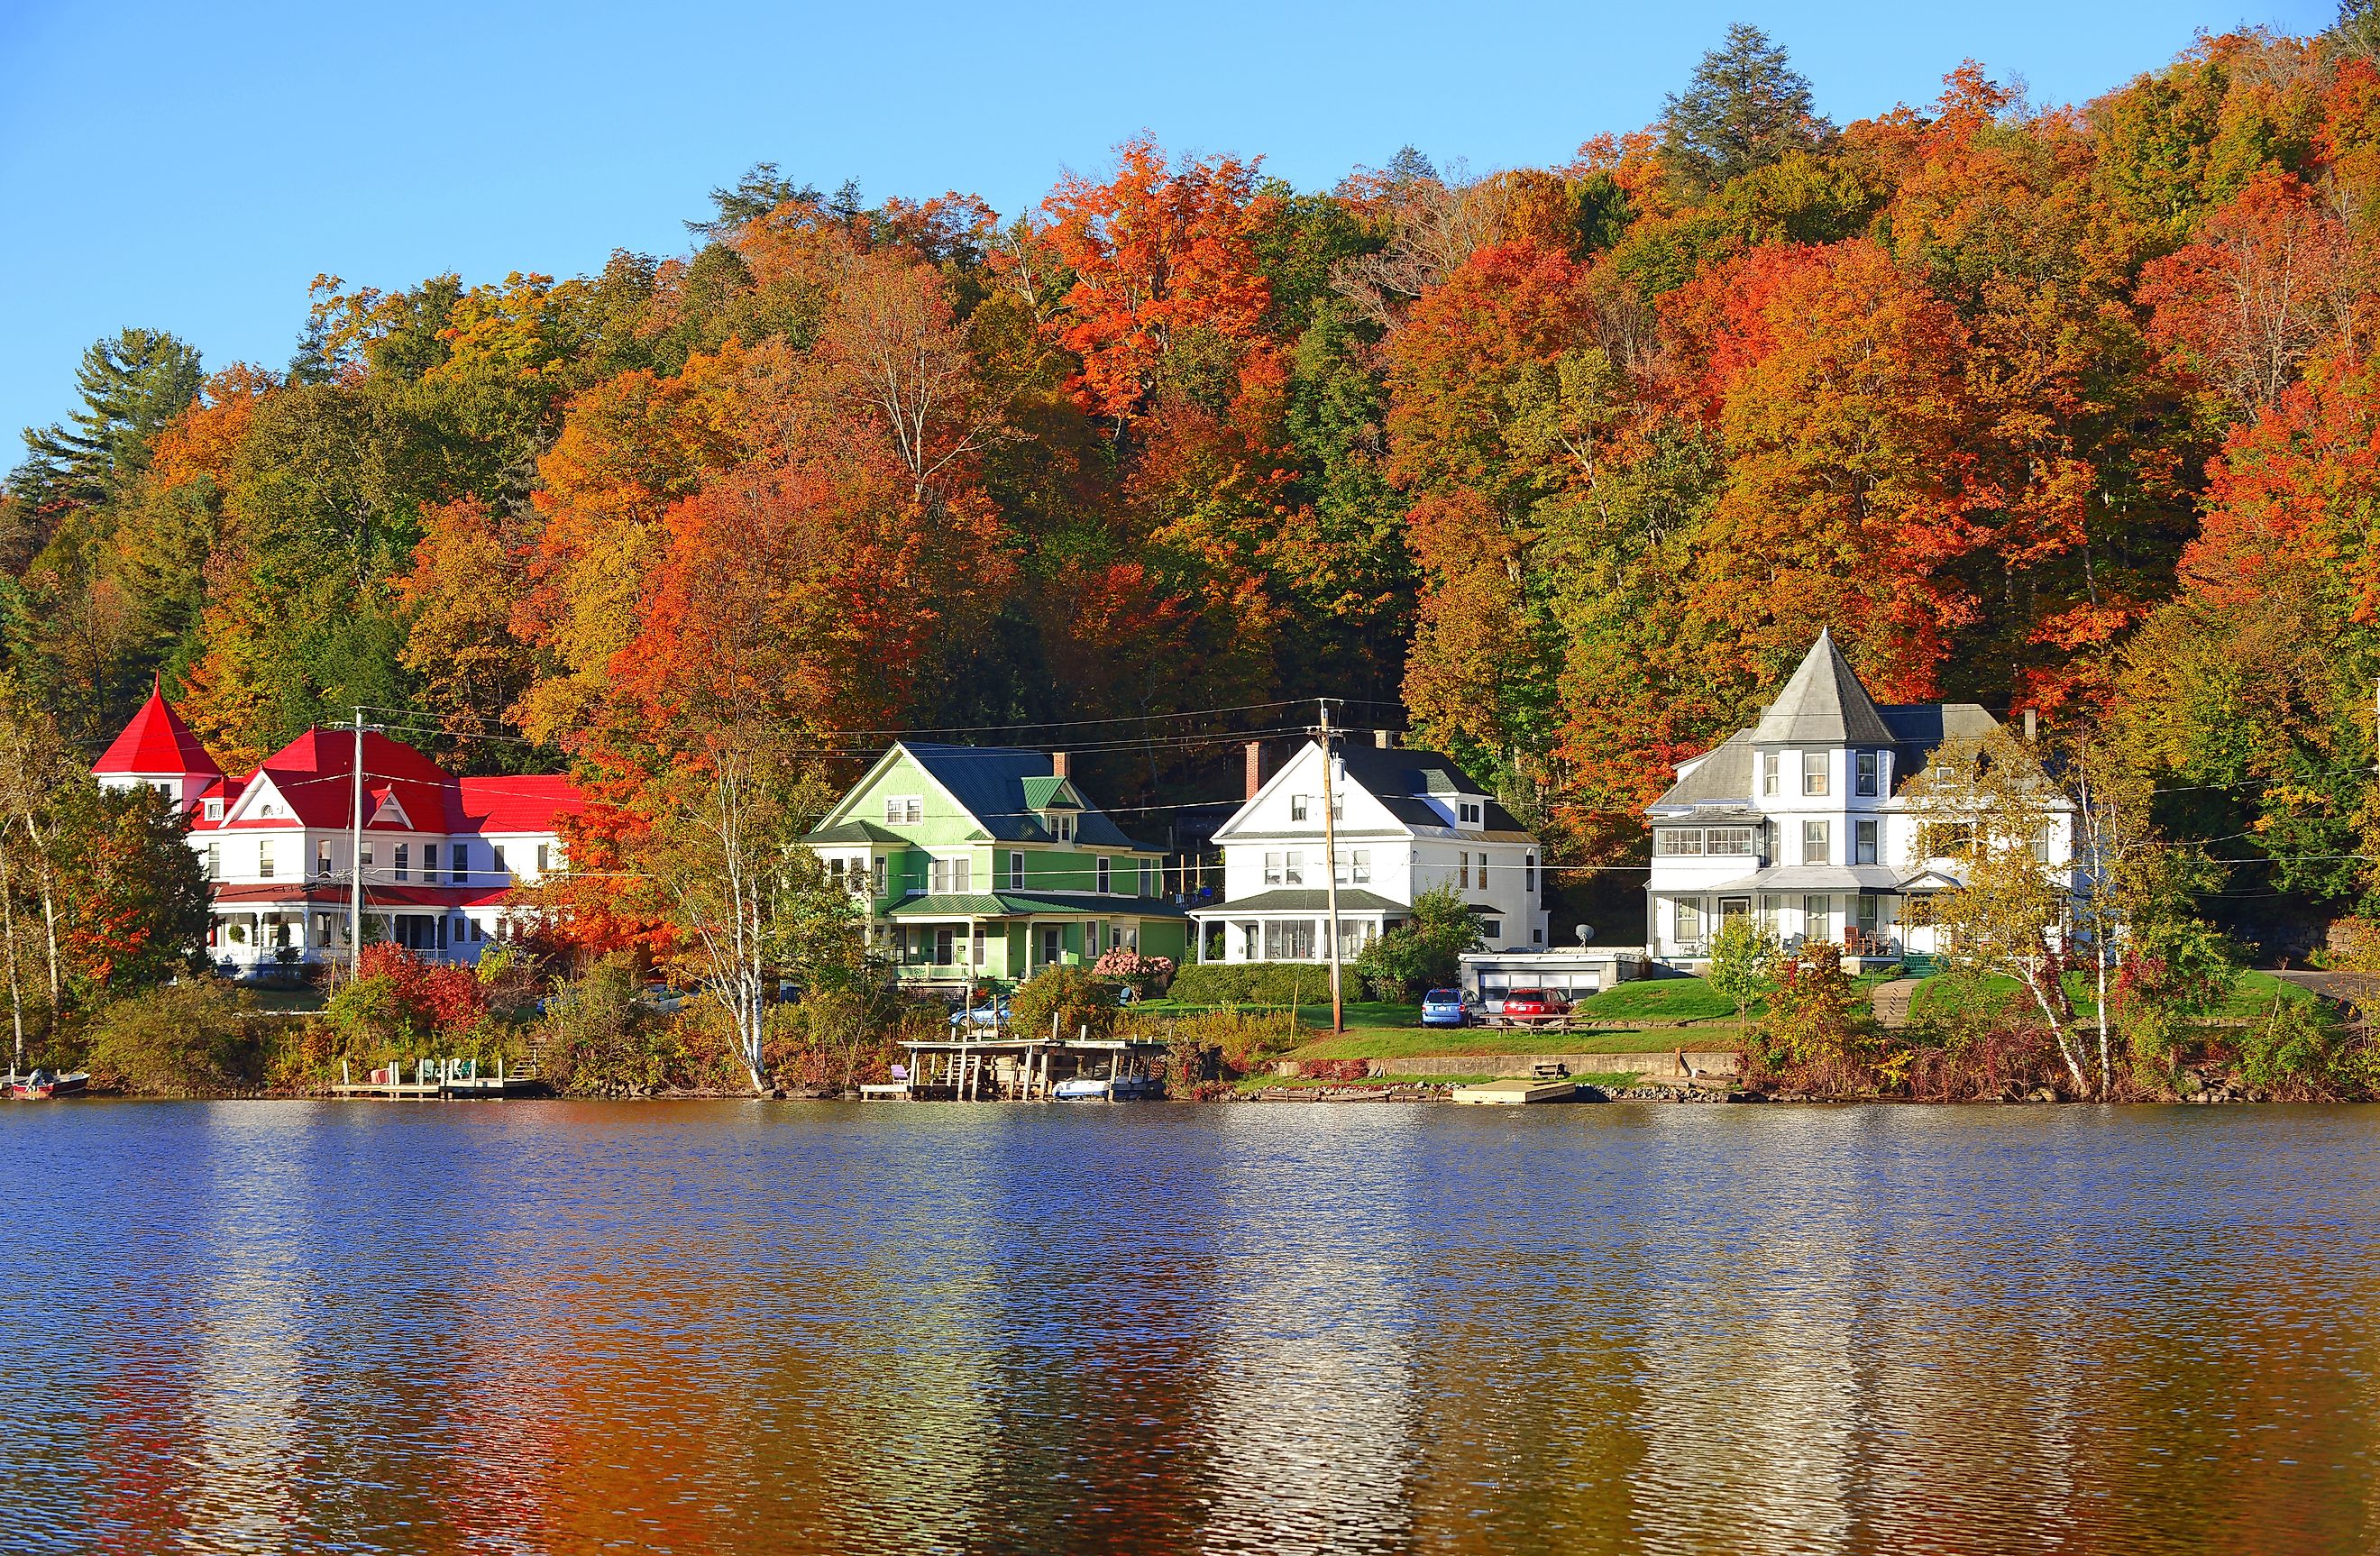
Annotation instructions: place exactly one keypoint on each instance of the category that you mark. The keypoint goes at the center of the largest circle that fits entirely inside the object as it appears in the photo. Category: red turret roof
(157, 743)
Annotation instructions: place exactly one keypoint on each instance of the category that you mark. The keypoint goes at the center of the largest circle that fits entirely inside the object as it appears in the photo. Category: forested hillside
(2063, 407)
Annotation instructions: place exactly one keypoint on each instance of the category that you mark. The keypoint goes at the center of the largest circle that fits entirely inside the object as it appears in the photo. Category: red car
(1533, 1004)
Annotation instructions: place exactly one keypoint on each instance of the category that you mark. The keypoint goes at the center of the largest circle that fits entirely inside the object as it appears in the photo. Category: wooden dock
(433, 1079)
(1519, 1090)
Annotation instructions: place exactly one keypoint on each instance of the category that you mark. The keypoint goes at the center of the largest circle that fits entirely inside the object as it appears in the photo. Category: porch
(1294, 926)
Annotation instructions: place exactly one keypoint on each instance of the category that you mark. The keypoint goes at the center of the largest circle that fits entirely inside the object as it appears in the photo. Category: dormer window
(1061, 824)
(214, 810)
(1469, 810)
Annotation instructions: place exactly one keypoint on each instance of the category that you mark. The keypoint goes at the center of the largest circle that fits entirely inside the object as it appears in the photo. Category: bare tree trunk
(49, 910)
(9, 931)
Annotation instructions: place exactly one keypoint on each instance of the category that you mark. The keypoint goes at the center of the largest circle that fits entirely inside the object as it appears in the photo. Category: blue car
(1444, 1007)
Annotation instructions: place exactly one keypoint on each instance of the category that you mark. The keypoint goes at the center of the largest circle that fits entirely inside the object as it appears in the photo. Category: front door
(1052, 938)
(1733, 908)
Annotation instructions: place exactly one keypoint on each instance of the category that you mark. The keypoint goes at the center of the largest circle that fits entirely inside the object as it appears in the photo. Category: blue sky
(193, 167)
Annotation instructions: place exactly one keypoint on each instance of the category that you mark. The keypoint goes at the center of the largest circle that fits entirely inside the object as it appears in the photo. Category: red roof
(156, 743)
(314, 774)
(334, 894)
(515, 803)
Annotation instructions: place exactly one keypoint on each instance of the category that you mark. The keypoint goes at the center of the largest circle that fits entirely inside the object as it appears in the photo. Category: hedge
(1253, 983)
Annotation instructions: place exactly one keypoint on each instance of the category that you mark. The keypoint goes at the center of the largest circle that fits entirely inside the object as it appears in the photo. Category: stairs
(1919, 964)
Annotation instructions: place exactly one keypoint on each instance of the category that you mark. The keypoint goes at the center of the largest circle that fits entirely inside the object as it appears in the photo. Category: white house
(1406, 822)
(440, 855)
(1800, 821)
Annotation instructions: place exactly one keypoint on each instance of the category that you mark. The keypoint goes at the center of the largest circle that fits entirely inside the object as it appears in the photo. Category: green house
(987, 862)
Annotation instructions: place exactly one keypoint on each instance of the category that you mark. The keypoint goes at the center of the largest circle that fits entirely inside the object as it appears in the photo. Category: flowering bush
(1145, 974)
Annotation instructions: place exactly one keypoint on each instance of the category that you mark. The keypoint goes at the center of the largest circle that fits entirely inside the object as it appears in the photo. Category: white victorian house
(1800, 821)
(439, 857)
(1405, 822)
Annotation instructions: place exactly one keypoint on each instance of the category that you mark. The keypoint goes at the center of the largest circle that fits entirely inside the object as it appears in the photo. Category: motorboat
(1130, 1086)
(41, 1086)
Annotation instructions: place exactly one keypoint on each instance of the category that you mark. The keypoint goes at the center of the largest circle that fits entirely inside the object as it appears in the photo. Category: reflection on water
(726, 1326)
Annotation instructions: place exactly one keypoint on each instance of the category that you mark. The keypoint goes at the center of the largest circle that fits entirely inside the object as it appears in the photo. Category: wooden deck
(433, 1079)
(1519, 1090)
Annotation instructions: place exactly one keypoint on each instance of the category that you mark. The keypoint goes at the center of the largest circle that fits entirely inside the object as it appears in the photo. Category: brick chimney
(1058, 764)
(1386, 739)
(1256, 767)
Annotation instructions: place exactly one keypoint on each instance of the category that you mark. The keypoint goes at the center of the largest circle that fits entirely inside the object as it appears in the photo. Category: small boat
(1128, 1088)
(41, 1086)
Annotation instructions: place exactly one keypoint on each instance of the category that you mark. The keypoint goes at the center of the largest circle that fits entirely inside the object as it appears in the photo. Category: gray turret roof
(1823, 704)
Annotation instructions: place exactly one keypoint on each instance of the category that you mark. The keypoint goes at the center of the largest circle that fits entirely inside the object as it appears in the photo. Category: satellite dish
(1586, 932)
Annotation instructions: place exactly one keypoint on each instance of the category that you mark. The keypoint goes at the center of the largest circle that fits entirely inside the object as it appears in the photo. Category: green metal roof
(1312, 899)
(1042, 794)
(1022, 905)
(852, 832)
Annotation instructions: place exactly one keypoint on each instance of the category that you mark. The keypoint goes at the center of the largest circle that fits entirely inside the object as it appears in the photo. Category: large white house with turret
(1800, 821)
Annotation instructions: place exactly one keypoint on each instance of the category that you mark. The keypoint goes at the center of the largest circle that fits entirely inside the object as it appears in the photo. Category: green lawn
(2250, 998)
(1658, 998)
(1417, 1042)
(1360, 1014)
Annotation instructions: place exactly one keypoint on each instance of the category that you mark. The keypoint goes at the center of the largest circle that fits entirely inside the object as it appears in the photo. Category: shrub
(1815, 1013)
(1241, 1040)
(1250, 983)
(397, 1002)
(594, 1040)
(1424, 952)
(1072, 994)
(2298, 1053)
(191, 1038)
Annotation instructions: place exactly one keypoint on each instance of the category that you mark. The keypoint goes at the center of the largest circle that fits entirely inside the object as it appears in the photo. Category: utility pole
(1330, 874)
(355, 849)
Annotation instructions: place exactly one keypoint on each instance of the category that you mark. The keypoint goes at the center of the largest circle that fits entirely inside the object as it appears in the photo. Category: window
(1355, 867)
(1289, 940)
(1103, 874)
(1813, 772)
(1061, 824)
(946, 948)
(264, 860)
(1529, 875)
(1769, 764)
(1867, 775)
(1814, 918)
(1469, 812)
(495, 852)
(976, 948)
(1867, 914)
(322, 856)
(1462, 869)
(475, 935)
(2042, 843)
(1016, 871)
(1863, 843)
(904, 809)
(1482, 877)
(1673, 841)
(214, 861)
(1771, 905)
(940, 870)
(1690, 920)
(214, 810)
(1298, 808)
(404, 861)
(1339, 804)
(954, 875)
(1491, 928)
(1293, 867)
(363, 856)
(1272, 869)
(1815, 843)
(544, 857)
(1149, 885)
(429, 863)
(460, 862)
(876, 874)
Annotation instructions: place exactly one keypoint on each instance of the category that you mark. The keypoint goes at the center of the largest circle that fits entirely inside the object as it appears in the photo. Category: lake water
(713, 1327)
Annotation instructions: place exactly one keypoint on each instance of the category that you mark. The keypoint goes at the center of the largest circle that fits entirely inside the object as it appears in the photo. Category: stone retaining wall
(1662, 1065)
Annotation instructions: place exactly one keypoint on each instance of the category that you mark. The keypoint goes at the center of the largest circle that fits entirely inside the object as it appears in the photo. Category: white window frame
(1016, 869)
